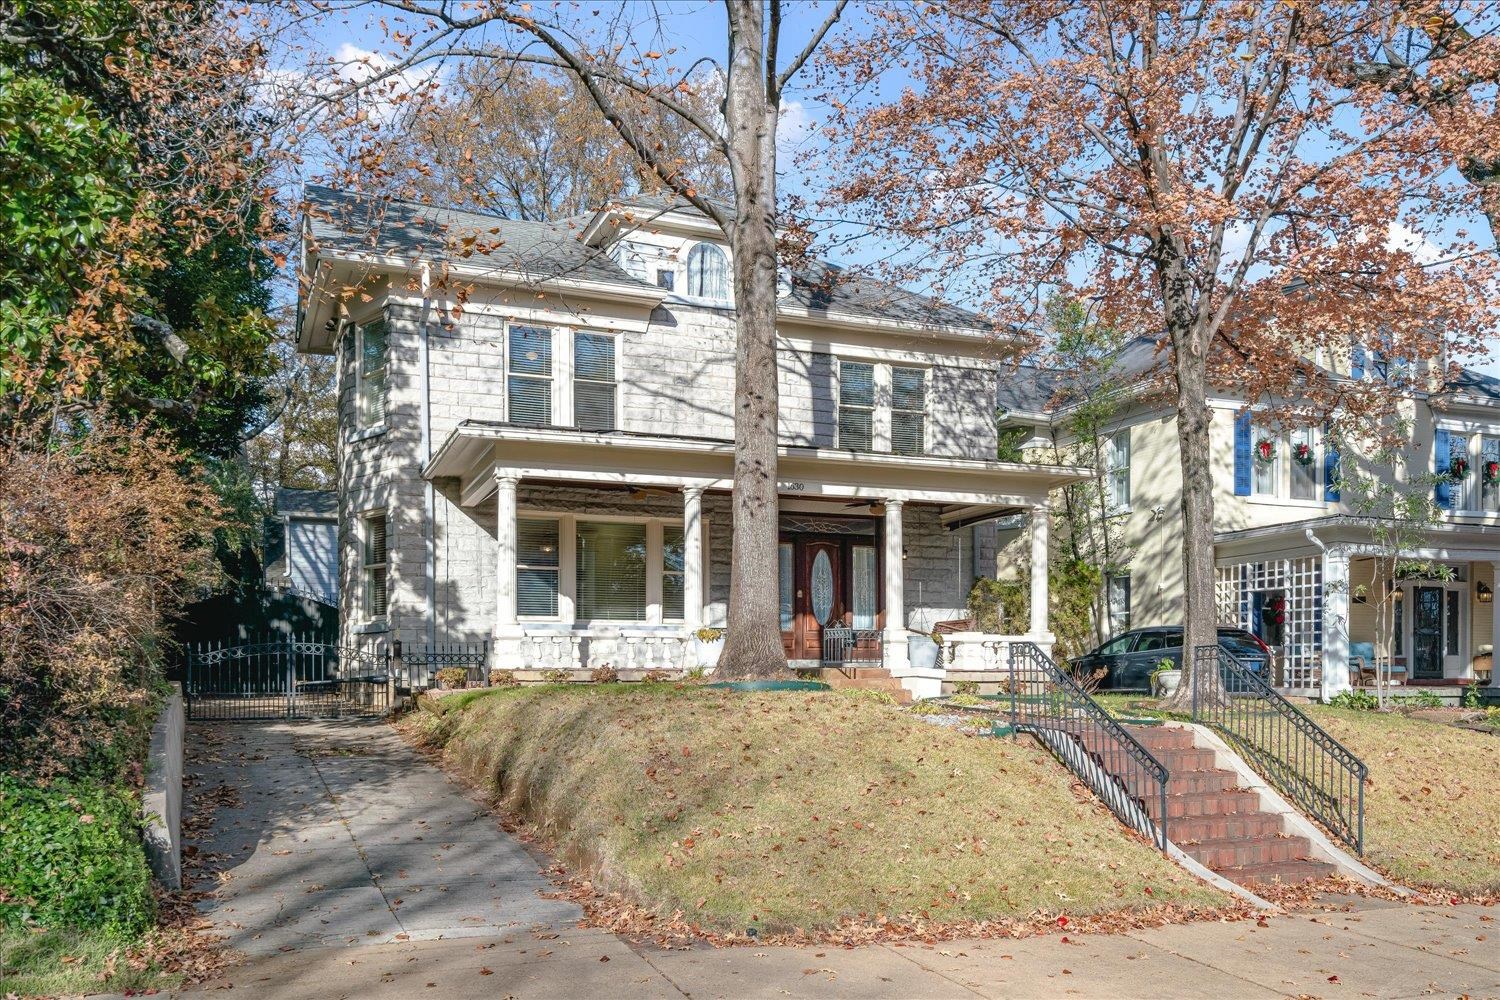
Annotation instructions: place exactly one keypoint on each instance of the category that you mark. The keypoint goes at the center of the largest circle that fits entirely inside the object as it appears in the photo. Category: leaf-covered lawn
(796, 810)
(71, 963)
(1432, 806)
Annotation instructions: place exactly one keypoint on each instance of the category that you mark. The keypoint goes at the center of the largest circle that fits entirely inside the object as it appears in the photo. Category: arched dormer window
(707, 272)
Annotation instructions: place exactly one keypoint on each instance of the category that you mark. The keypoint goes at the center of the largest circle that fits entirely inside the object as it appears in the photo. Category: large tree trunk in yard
(1193, 421)
(752, 645)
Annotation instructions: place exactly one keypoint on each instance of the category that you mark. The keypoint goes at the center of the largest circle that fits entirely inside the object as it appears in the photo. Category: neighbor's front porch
(1322, 596)
(613, 549)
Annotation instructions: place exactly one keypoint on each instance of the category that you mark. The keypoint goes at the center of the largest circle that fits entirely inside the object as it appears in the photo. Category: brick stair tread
(1289, 872)
(1192, 829)
(1231, 802)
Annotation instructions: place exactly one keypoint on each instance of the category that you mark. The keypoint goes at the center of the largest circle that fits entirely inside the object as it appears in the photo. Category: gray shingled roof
(360, 223)
(321, 502)
(1476, 383)
(1033, 389)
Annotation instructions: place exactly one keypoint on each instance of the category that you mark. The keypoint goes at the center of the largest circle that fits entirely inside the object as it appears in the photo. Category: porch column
(505, 555)
(1494, 626)
(1040, 521)
(1335, 622)
(692, 557)
(895, 587)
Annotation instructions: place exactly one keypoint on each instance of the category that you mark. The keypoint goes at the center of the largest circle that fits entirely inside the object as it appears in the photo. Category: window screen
(529, 384)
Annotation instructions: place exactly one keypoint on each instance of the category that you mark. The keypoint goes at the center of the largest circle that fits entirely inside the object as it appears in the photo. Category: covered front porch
(1324, 597)
(613, 549)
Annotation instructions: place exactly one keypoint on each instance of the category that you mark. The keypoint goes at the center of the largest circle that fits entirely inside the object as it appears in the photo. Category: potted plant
(708, 644)
(923, 650)
(1166, 677)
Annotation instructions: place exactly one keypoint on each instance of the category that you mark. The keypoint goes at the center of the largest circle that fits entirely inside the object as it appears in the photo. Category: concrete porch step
(867, 679)
(1285, 872)
(1221, 855)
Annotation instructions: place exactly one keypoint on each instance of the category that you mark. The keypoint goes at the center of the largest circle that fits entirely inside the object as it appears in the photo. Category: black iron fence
(1046, 701)
(1281, 742)
(416, 666)
(283, 678)
(852, 647)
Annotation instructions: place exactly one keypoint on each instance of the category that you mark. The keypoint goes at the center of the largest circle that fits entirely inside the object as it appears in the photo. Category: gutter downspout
(428, 498)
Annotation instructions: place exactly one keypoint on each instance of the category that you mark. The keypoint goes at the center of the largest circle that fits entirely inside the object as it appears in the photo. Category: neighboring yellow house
(1295, 563)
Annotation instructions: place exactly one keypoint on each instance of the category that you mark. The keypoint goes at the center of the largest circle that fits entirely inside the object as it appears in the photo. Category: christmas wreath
(1303, 453)
(1265, 450)
(1459, 467)
(1491, 473)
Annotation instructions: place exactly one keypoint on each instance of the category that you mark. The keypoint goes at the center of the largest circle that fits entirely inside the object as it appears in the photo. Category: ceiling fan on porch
(647, 492)
(875, 507)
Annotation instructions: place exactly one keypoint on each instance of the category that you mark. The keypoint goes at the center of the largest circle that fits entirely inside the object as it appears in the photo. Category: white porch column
(895, 587)
(505, 555)
(1040, 521)
(1335, 622)
(692, 557)
(1494, 626)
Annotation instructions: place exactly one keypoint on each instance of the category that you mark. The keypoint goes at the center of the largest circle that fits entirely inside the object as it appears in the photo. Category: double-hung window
(370, 373)
(1117, 470)
(593, 381)
(1265, 453)
(1489, 474)
(1307, 471)
(537, 566)
(529, 371)
(708, 272)
(908, 411)
(372, 564)
(1119, 603)
(672, 576)
(856, 405)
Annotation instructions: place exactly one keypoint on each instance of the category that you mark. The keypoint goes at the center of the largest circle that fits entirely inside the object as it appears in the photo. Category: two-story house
(1297, 562)
(536, 440)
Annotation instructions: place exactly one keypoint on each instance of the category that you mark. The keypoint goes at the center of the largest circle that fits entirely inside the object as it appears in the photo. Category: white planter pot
(706, 654)
(1166, 683)
(922, 652)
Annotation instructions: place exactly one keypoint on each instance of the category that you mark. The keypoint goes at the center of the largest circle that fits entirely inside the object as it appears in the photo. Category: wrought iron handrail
(844, 645)
(1046, 701)
(1282, 743)
(417, 665)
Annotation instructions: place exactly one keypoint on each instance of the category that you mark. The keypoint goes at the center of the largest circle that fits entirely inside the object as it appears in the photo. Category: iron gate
(285, 679)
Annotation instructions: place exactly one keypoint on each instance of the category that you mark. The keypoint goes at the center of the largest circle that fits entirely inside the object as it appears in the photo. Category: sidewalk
(1379, 950)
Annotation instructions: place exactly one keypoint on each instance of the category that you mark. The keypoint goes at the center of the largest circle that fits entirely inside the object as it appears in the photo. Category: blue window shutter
(1443, 491)
(1331, 474)
(1242, 454)
(1357, 361)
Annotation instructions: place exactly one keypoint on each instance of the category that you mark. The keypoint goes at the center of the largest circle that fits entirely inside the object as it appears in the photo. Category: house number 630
(793, 486)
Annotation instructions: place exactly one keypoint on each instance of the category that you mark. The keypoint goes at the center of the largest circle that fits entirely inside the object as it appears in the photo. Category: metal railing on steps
(1047, 702)
(1281, 742)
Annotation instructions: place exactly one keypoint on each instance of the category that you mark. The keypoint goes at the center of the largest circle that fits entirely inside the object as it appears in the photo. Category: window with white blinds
(856, 405)
(594, 386)
(372, 565)
(373, 348)
(529, 376)
(536, 567)
(908, 411)
(611, 571)
(671, 573)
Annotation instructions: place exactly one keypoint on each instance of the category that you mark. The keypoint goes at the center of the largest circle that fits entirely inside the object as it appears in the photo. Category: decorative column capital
(692, 492)
(506, 479)
(894, 503)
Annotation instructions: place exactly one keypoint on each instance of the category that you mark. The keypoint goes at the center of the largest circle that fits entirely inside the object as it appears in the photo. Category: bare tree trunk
(752, 645)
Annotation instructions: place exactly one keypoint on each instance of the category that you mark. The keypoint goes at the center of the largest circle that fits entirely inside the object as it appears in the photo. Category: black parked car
(1130, 657)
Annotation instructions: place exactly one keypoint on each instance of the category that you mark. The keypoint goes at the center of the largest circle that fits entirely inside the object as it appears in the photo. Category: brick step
(1285, 872)
(1187, 830)
(1201, 782)
(1155, 738)
(1244, 853)
(1229, 803)
(1182, 761)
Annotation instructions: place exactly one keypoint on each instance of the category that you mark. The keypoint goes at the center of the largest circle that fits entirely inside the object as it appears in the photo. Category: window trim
(1113, 471)
(366, 566)
(704, 247)
(556, 570)
(840, 406)
(1282, 495)
(550, 379)
(926, 374)
(1469, 491)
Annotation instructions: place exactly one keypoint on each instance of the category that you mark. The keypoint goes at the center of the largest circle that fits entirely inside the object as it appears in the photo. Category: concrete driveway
(336, 834)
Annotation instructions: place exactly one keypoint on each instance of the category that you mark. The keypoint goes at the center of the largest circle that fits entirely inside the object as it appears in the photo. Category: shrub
(708, 634)
(966, 700)
(1422, 699)
(1360, 701)
(655, 677)
(453, 677)
(1472, 697)
(998, 603)
(866, 694)
(605, 674)
(926, 708)
(696, 674)
(504, 679)
(965, 687)
(71, 857)
(557, 676)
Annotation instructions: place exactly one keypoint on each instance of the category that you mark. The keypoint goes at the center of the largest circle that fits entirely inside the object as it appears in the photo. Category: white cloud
(1404, 239)
(793, 127)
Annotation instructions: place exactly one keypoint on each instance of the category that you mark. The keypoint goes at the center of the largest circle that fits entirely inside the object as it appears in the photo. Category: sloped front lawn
(796, 810)
(1432, 806)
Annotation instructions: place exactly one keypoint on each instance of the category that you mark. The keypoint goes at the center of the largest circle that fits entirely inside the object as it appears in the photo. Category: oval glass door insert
(822, 587)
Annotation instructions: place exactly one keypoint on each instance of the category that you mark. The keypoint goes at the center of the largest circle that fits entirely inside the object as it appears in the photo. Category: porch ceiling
(1454, 541)
(476, 450)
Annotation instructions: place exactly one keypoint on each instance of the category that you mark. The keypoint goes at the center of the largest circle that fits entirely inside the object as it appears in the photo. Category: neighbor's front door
(1427, 632)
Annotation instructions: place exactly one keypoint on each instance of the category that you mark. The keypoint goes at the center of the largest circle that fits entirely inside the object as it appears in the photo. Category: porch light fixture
(1484, 593)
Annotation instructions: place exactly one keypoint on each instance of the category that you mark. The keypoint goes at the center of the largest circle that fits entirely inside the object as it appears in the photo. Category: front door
(1427, 632)
(820, 588)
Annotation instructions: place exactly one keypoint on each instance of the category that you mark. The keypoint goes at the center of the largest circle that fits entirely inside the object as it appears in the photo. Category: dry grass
(1432, 807)
(796, 810)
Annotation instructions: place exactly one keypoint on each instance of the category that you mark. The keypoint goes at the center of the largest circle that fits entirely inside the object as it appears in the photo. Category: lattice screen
(1300, 581)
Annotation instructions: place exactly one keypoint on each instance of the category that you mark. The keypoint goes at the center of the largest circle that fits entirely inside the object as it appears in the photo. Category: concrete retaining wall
(161, 800)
